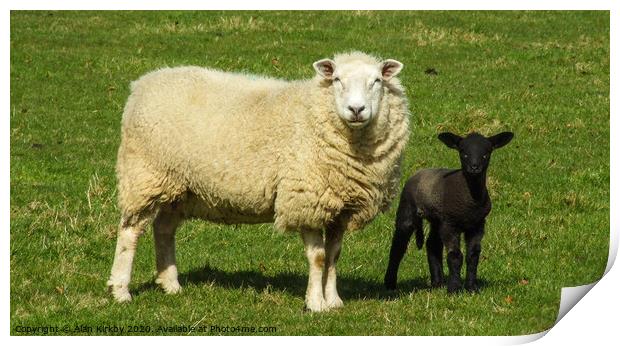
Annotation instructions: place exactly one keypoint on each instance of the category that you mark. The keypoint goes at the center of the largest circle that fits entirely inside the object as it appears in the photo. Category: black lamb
(454, 201)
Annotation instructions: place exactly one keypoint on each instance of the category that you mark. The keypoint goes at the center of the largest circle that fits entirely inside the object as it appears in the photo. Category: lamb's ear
(390, 68)
(501, 139)
(450, 139)
(325, 68)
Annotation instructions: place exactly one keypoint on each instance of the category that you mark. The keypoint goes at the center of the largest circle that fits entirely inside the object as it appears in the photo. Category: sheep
(454, 202)
(311, 156)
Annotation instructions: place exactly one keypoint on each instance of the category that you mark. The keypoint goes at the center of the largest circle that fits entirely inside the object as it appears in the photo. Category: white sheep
(311, 155)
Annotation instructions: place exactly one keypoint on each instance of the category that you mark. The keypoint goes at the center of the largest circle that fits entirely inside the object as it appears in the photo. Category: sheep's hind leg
(333, 244)
(407, 221)
(315, 252)
(451, 240)
(434, 255)
(126, 243)
(472, 241)
(164, 229)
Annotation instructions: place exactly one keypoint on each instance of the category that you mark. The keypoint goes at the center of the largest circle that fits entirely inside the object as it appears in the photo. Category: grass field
(543, 75)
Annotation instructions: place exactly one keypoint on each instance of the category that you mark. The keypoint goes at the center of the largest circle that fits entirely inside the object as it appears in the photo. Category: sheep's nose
(474, 168)
(356, 110)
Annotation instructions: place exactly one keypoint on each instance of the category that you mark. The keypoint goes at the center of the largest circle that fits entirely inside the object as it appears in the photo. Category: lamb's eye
(465, 156)
(485, 156)
(376, 82)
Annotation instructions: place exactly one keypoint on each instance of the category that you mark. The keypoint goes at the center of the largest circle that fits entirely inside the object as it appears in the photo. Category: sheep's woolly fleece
(235, 148)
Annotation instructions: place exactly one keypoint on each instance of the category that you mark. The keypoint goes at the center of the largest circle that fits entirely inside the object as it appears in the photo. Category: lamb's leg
(407, 221)
(315, 252)
(126, 243)
(451, 240)
(333, 242)
(164, 229)
(472, 241)
(434, 255)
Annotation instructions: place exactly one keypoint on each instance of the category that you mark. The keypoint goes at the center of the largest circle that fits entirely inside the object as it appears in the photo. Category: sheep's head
(358, 81)
(475, 149)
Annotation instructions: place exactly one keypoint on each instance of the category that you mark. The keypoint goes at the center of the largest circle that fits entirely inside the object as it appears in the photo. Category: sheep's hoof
(172, 288)
(169, 286)
(316, 306)
(120, 293)
(122, 297)
(334, 303)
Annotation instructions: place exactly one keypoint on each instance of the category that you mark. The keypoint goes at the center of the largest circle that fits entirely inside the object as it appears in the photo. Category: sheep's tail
(407, 221)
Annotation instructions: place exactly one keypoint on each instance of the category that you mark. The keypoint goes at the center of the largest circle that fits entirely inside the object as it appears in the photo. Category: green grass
(543, 75)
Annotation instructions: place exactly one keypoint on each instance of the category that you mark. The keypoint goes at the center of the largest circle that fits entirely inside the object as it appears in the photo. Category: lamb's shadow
(349, 287)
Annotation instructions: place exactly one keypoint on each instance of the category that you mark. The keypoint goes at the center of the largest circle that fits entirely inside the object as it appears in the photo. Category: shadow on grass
(349, 287)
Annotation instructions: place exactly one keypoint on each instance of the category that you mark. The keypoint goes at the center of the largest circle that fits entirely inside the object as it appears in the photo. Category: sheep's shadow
(349, 287)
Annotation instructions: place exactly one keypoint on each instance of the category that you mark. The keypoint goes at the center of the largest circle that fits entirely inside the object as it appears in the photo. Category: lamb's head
(358, 81)
(475, 149)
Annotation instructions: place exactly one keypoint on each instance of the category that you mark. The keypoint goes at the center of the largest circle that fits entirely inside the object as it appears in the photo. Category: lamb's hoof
(316, 306)
(437, 284)
(389, 283)
(454, 287)
(334, 303)
(472, 287)
(169, 286)
(120, 293)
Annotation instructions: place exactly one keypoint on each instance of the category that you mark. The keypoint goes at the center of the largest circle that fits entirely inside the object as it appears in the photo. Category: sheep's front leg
(451, 240)
(472, 240)
(120, 277)
(164, 229)
(333, 244)
(315, 252)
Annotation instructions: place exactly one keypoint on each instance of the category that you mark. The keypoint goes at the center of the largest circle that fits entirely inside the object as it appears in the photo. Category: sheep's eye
(465, 155)
(375, 82)
(485, 157)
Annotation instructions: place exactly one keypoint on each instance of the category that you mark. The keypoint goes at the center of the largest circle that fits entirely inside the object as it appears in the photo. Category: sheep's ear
(390, 68)
(450, 139)
(501, 139)
(325, 68)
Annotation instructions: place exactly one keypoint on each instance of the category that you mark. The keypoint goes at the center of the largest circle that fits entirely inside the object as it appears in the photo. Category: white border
(592, 320)
(5, 172)
(313, 5)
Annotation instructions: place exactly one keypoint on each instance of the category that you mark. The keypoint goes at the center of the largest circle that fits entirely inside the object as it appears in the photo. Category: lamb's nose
(356, 110)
